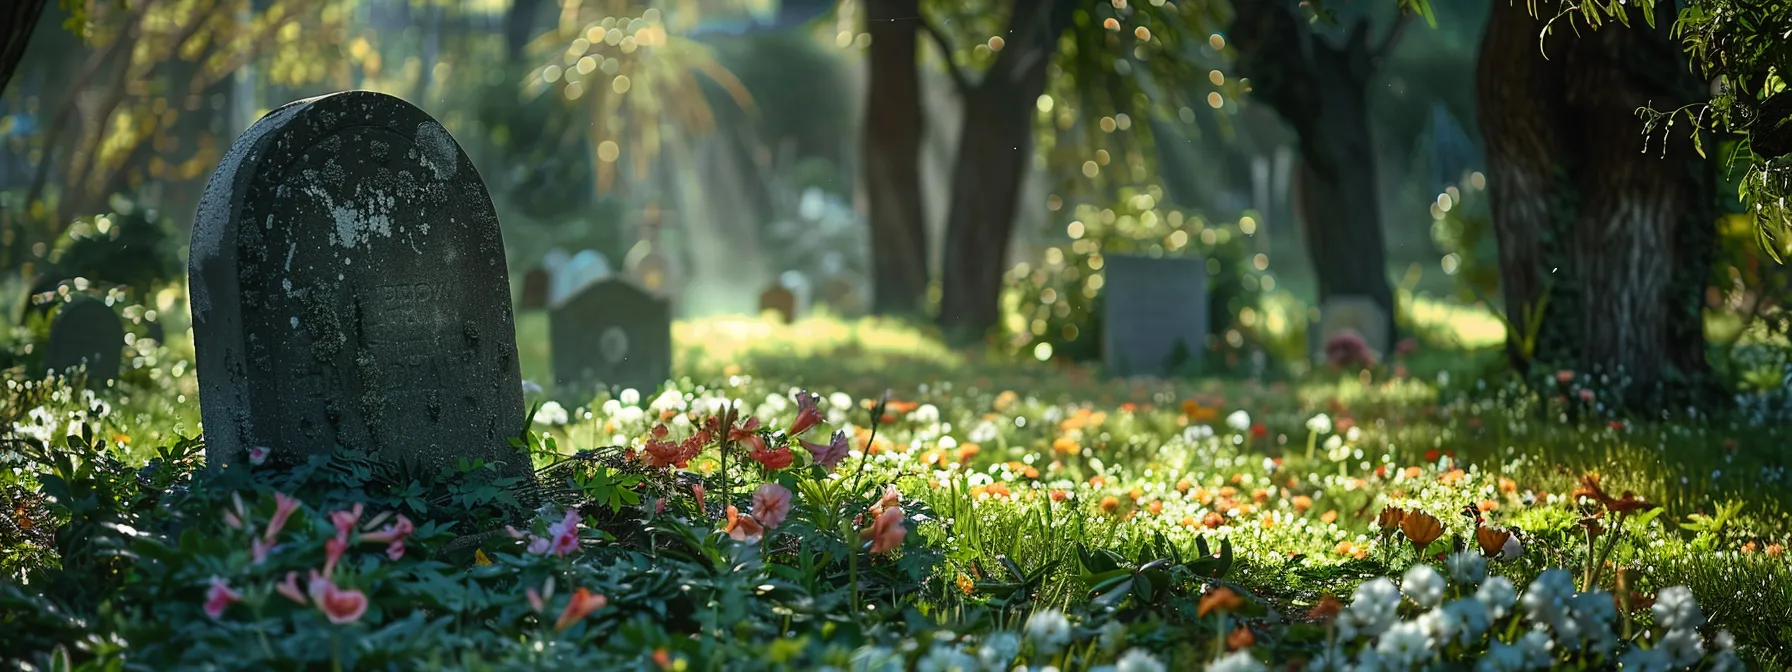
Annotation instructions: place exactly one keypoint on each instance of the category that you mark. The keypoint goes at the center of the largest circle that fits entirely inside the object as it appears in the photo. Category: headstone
(801, 288)
(348, 288)
(581, 269)
(1352, 312)
(778, 299)
(612, 333)
(86, 331)
(1155, 318)
(535, 289)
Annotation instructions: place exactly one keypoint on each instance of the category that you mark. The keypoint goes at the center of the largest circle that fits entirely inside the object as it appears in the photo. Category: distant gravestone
(348, 288)
(845, 293)
(1351, 312)
(779, 299)
(581, 269)
(1155, 317)
(86, 331)
(535, 289)
(612, 333)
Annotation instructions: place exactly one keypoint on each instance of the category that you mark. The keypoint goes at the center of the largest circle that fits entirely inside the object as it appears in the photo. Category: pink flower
(218, 597)
(892, 497)
(1586, 395)
(1348, 349)
(697, 491)
(397, 531)
(772, 458)
(887, 531)
(283, 508)
(258, 455)
(747, 435)
(340, 606)
(581, 605)
(333, 550)
(535, 600)
(290, 588)
(742, 527)
(538, 545)
(565, 535)
(807, 414)
(771, 503)
(258, 549)
(395, 550)
(1564, 376)
(828, 455)
(345, 521)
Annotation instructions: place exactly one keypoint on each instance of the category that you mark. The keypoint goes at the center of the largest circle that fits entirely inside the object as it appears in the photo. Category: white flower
(1423, 585)
(984, 432)
(1405, 644)
(1468, 620)
(1320, 424)
(942, 658)
(1239, 661)
(1726, 661)
(630, 397)
(998, 650)
(1048, 630)
(1332, 659)
(629, 416)
(530, 387)
(926, 414)
(1596, 614)
(259, 455)
(841, 401)
(1723, 641)
(1501, 657)
(1682, 647)
(1354, 434)
(1675, 608)
(1113, 635)
(876, 659)
(1371, 611)
(669, 400)
(1645, 660)
(1466, 567)
(1547, 598)
(1139, 660)
(1335, 448)
(551, 413)
(1536, 646)
(1239, 421)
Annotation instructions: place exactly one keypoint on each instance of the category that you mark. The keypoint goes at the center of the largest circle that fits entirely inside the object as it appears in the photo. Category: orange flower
(1346, 548)
(1136, 493)
(887, 531)
(1508, 485)
(968, 451)
(1491, 540)
(1097, 481)
(1219, 599)
(1156, 507)
(1413, 472)
(1488, 505)
(1213, 520)
(1421, 529)
(1329, 517)
(966, 585)
(1389, 519)
(1748, 548)
(1452, 477)
(1302, 503)
(581, 605)
(1241, 638)
(1203, 496)
(741, 527)
(1269, 522)
(1183, 486)
(1189, 521)
(1328, 608)
(662, 658)
(1110, 503)
(1060, 495)
(1774, 550)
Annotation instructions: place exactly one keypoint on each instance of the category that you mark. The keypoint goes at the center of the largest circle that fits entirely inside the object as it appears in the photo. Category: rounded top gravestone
(86, 331)
(349, 289)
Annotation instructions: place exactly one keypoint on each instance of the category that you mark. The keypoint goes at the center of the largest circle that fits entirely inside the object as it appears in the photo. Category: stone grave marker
(611, 333)
(535, 289)
(1154, 322)
(86, 331)
(779, 299)
(348, 287)
(581, 269)
(1351, 312)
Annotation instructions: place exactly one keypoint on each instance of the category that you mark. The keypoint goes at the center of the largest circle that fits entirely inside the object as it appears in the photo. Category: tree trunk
(1619, 240)
(994, 148)
(20, 21)
(892, 162)
(519, 28)
(1321, 91)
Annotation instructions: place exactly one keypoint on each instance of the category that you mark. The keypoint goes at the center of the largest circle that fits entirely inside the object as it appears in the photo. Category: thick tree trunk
(1321, 91)
(892, 163)
(993, 150)
(20, 19)
(1618, 236)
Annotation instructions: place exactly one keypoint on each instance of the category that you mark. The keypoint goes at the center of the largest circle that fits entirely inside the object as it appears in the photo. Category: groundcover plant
(993, 522)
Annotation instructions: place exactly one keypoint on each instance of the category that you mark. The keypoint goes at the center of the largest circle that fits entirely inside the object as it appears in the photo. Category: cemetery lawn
(1047, 517)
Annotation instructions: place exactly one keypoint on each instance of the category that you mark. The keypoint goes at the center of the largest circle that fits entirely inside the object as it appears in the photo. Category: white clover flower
(998, 650)
(630, 397)
(1596, 614)
(1675, 608)
(1320, 424)
(1682, 647)
(1502, 657)
(1139, 660)
(1404, 645)
(1335, 448)
(630, 415)
(943, 658)
(984, 432)
(1726, 661)
(1470, 619)
(926, 414)
(1723, 641)
(1048, 629)
(669, 400)
(1113, 635)
(1440, 626)
(1497, 594)
(611, 407)
(1372, 610)
(841, 401)
(1423, 585)
(1331, 659)
(551, 413)
(1466, 567)
(1537, 648)
(1354, 434)
(1645, 660)
(1547, 598)
(1239, 661)
(1239, 421)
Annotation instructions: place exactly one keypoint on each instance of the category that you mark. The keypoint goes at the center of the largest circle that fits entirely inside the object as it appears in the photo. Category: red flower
(772, 458)
(664, 452)
(340, 606)
(829, 455)
(581, 605)
(218, 597)
(742, 527)
(747, 434)
(1259, 431)
(283, 508)
(887, 531)
(807, 414)
(345, 521)
(290, 588)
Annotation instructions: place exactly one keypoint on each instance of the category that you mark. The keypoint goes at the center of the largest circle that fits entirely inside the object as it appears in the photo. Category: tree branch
(1392, 38)
(959, 80)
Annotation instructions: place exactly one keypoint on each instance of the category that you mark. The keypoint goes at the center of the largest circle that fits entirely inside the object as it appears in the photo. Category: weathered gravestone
(86, 331)
(535, 289)
(1350, 312)
(348, 287)
(612, 333)
(779, 299)
(1155, 318)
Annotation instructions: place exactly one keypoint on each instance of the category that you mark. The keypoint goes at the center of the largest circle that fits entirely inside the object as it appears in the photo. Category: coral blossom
(807, 415)
(772, 458)
(742, 527)
(887, 531)
(771, 503)
(581, 605)
(339, 605)
(283, 508)
(828, 455)
(290, 588)
(218, 597)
